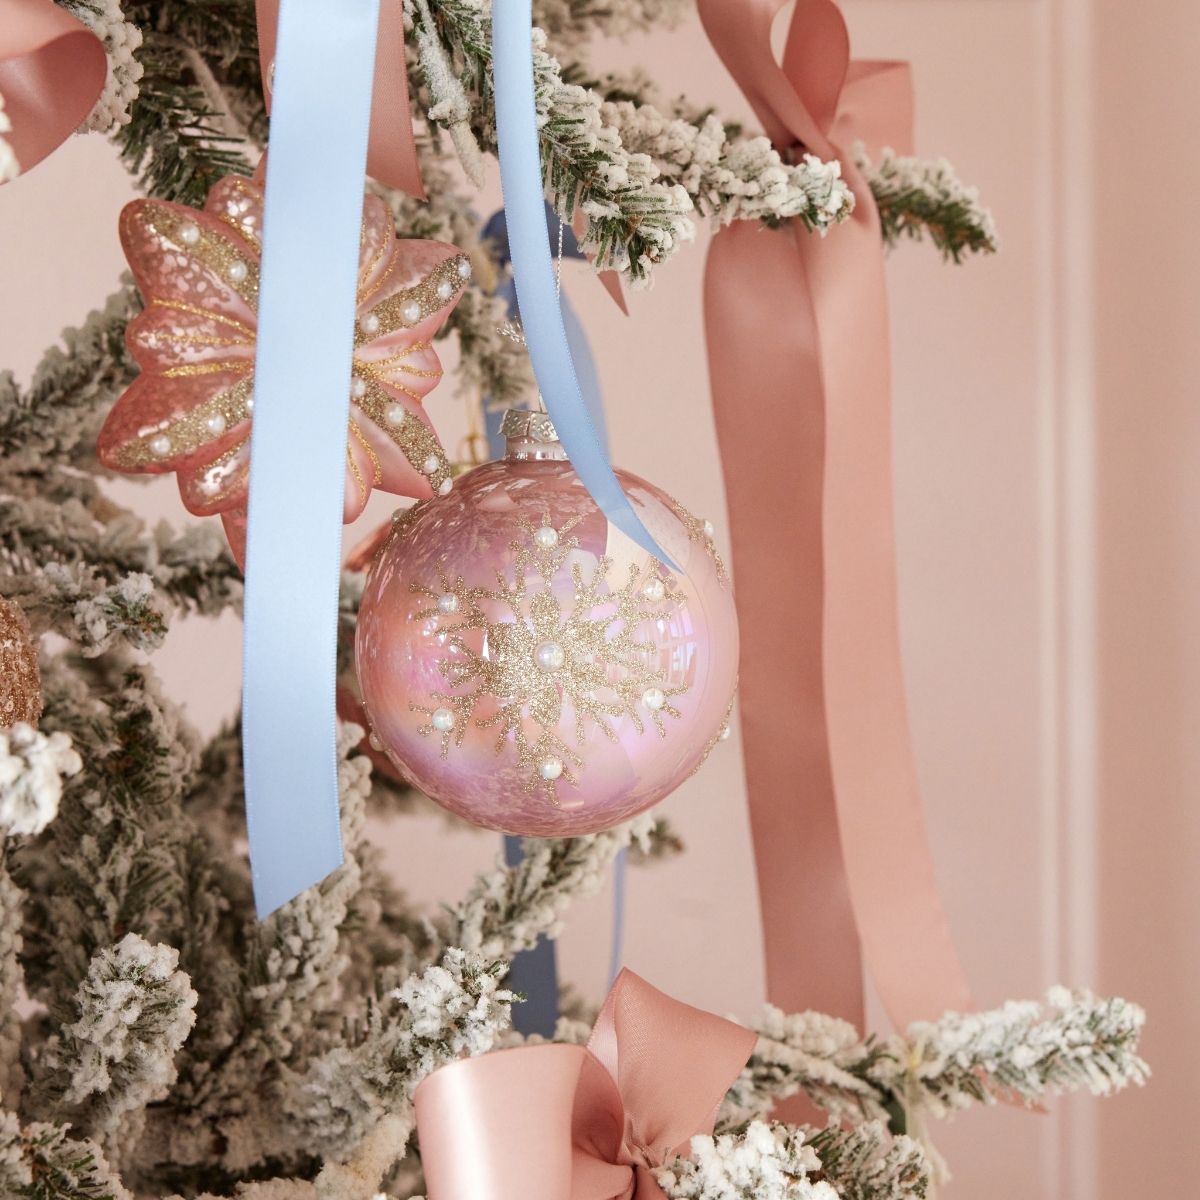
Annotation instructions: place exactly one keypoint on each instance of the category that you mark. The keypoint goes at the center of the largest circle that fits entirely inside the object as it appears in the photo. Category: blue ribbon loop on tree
(533, 270)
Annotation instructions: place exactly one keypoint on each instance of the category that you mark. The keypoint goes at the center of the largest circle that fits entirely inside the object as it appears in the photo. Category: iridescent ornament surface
(529, 667)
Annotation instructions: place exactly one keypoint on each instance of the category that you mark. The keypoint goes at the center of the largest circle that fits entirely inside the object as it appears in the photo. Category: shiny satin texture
(834, 802)
(554, 1122)
(52, 70)
(391, 151)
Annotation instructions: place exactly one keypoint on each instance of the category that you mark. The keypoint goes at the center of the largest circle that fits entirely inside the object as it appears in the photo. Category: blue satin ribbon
(533, 270)
(534, 972)
(324, 63)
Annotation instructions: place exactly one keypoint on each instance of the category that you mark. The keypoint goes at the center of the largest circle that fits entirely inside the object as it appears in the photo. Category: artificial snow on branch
(1023, 1050)
(919, 199)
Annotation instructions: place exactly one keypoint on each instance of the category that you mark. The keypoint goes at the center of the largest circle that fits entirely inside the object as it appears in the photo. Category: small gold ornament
(20, 680)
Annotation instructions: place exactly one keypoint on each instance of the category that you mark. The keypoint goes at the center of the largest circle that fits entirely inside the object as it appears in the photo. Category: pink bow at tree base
(558, 1122)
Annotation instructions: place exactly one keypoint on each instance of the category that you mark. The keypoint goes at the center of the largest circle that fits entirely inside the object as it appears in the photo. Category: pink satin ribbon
(799, 361)
(554, 1122)
(52, 70)
(392, 151)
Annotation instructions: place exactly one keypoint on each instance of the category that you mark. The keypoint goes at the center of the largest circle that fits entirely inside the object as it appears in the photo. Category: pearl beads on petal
(546, 537)
(654, 698)
(448, 603)
(442, 719)
(215, 424)
(550, 769)
(358, 389)
(726, 733)
(395, 414)
(431, 464)
(549, 656)
(238, 271)
(369, 324)
(445, 290)
(189, 234)
(160, 445)
(709, 530)
(464, 269)
(446, 486)
(411, 312)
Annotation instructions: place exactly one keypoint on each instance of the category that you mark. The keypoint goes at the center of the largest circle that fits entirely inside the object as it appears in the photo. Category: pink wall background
(1048, 490)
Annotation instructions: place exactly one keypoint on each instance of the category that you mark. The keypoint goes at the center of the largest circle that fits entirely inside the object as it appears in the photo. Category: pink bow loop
(834, 802)
(553, 1122)
(52, 70)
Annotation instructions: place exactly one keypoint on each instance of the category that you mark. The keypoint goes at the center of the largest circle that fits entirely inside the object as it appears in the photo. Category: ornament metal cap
(530, 435)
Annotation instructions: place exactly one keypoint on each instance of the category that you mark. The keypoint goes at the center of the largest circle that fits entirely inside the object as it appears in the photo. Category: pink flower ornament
(190, 409)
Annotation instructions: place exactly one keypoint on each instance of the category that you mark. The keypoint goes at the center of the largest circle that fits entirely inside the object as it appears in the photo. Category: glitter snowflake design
(547, 649)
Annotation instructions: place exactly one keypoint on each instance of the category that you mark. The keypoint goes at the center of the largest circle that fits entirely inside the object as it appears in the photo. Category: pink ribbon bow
(52, 70)
(553, 1122)
(799, 361)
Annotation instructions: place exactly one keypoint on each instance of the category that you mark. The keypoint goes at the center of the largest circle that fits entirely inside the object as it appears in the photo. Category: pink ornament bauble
(529, 667)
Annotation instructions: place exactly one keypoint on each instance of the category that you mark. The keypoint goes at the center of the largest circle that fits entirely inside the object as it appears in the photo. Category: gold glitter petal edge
(191, 432)
(390, 312)
(215, 253)
(416, 440)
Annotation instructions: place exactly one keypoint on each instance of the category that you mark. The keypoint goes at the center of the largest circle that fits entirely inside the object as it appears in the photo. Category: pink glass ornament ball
(530, 668)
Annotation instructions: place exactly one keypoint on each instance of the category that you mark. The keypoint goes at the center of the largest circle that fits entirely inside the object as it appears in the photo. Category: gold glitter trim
(696, 533)
(415, 439)
(188, 370)
(207, 314)
(390, 311)
(359, 481)
(376, 465)
(20, 679)
(218, 496)
(718, 737)
(247, 191)
(379, 365)
(604, 674)
(190, 432)
(211, 250)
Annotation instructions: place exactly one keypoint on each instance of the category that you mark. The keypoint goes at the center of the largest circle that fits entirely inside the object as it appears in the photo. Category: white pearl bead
(445, 290)
(250, 403)
(160, 445)
(358, 389)
(370, 323)
(549, 656)
(654, 590)
(726, 733)
(709, 530)
(550, 769)
(464, 269)
(442, 720)
(448, 603)
(411, 312)
(395, 414)
(189, 234)
(546, 537)
(446, 486)
(215, 424)
(431, 464)
(654, 698)
(374, 742)
(238, 271)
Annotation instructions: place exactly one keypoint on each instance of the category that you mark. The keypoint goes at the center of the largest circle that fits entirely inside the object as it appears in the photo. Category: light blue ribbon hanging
(324, 63)
(534, 972)
(533, 269)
